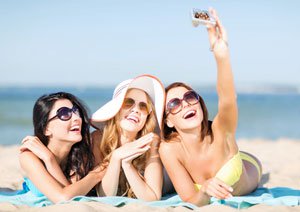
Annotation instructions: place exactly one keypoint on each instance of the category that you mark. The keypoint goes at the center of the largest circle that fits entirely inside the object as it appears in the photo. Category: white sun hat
(148, 83)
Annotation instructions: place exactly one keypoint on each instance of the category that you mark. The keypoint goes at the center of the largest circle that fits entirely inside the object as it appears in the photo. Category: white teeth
(189, 114)
(133, 118)
(74, 128)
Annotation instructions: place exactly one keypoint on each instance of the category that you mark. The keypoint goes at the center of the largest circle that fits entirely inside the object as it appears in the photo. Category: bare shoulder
(169, 147)
(28, 158)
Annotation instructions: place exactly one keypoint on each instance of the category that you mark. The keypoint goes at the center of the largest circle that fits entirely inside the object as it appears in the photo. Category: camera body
(202, 17)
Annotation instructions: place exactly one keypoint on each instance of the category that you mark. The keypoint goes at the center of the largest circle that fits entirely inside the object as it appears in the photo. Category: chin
(130, 127)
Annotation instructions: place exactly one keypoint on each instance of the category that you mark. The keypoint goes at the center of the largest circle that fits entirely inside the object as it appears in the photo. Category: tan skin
(147, 187)
(42, 164)
(187, 158)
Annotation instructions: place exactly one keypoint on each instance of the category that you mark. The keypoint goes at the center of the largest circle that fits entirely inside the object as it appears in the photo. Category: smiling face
(190, 116)
(64, 130)
(134, 112)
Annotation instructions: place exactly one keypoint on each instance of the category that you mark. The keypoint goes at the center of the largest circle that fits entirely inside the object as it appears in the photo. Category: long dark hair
(169, 133)
(81, 158)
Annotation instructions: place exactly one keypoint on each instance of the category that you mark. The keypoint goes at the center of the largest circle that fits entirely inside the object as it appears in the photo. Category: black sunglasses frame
(65, 111)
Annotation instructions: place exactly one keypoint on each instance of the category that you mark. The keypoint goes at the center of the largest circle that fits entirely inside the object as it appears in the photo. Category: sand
(280, 160)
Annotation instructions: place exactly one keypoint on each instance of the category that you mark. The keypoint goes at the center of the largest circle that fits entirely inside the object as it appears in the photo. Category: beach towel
(269, 196)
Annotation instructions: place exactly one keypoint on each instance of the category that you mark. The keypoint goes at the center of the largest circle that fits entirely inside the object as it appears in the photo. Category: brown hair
(169, 133)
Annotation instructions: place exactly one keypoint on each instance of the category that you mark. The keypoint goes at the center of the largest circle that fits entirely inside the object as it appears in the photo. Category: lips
(75, 128)
(189, 114)
(132, 118)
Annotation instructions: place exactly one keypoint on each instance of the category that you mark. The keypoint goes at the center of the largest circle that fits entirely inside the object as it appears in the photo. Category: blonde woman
(125, 141)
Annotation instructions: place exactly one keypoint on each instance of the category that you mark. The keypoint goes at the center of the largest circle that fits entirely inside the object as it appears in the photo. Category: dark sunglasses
(143, 106)
(174, 106)
(65, 113)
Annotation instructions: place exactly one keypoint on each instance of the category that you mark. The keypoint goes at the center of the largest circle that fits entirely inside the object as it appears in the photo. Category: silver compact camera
(202, 17)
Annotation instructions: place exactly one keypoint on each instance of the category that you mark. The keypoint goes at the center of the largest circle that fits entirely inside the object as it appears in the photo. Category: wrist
(49, 158)
(115, 157)
(126, 164)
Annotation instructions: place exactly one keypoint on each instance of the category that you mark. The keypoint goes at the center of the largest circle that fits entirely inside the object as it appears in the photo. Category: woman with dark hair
(202, 157)
(58, 160)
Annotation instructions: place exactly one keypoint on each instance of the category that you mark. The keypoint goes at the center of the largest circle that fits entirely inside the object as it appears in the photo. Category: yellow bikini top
(230, 172)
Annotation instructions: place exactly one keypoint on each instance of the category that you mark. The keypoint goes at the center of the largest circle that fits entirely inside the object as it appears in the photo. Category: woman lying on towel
(58, 161)
(125, 141)
(202, 158)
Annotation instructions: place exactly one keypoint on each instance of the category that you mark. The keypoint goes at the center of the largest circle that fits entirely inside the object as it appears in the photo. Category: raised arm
(49, 186)
(226, 119)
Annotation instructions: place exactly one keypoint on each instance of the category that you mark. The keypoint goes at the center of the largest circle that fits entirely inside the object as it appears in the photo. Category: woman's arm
(184, 184)
(226, 119)
(33, 144)
(49, 186)
(148, 188)
(110, 182)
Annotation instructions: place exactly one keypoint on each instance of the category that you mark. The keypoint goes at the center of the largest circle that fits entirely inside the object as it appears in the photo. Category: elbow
(62, 198)
(194, 201)
(153, 197)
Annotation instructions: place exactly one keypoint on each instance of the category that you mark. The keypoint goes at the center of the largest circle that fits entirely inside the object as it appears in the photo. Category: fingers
(224, 185)
(31, 138)
(137, 151)
(146, 139)
(219, 26)
(135, 155)
(218, 189)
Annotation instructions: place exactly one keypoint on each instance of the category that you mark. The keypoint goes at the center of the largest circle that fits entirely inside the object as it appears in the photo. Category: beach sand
(280, 160)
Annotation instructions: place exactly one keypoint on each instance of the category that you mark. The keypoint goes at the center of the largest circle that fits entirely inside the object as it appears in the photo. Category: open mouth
(132, 118)
(75, 129)
(189, 114)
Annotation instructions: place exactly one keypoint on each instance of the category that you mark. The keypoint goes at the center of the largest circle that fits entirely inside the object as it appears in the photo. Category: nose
(135, 108)
(75, 116)
(184, 104)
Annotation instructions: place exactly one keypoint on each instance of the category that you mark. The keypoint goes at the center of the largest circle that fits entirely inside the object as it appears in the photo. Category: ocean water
(261, 115)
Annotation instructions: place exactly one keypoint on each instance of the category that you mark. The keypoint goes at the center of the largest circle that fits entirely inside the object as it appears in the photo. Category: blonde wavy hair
(110, 142)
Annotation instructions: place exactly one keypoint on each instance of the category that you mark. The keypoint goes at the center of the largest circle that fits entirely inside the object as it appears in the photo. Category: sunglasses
(174, 106)
(143, 106)
(65, 113)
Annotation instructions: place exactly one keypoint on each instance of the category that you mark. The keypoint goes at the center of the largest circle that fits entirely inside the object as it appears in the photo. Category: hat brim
(148, 83)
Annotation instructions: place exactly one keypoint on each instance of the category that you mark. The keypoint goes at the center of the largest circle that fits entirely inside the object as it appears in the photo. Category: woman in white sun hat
(125, 141)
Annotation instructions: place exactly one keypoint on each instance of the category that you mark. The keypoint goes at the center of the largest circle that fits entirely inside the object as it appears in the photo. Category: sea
(266, 114)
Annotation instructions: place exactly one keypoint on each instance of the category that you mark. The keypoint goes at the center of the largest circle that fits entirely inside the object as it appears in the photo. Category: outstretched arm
(227, 116)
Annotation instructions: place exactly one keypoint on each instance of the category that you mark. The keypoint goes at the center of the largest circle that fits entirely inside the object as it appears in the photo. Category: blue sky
(98, 43)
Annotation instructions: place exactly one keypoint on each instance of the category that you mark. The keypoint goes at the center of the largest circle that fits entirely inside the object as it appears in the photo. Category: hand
(217, 36)
(140, 145)
(100, 170)
(33, 144)
(217, 188)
